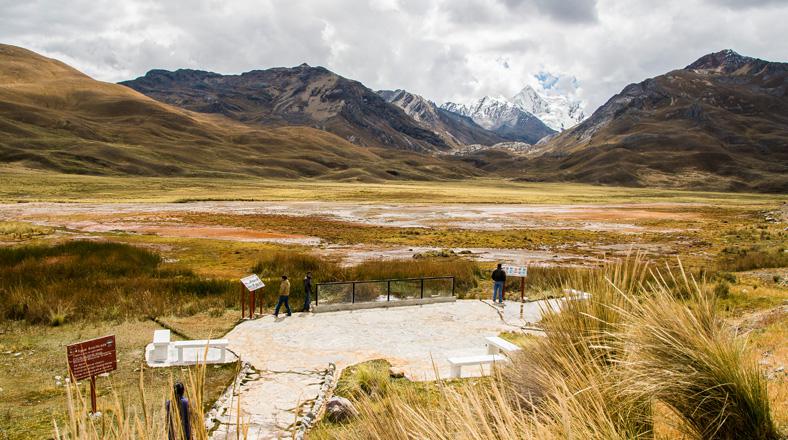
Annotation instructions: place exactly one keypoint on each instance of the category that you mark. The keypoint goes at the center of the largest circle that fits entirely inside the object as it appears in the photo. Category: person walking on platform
(499, 279)
(284, 297)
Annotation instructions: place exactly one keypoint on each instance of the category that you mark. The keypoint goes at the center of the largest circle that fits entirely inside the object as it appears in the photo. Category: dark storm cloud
(442, 49)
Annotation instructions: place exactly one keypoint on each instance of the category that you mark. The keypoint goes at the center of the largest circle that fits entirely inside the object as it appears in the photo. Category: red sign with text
(93, 357)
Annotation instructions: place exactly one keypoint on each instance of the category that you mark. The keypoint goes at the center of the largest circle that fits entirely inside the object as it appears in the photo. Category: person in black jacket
(499, 278)
(182, 430)
(307, 291)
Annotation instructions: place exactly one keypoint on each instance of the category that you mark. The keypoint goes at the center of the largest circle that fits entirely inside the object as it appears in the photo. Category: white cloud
(442, 49)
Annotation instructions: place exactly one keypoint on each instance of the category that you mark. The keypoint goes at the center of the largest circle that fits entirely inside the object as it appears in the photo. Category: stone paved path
(289, 353)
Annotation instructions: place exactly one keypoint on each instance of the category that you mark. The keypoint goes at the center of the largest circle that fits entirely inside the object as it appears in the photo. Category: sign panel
(515, 271)
(253, 282)
(93, 357)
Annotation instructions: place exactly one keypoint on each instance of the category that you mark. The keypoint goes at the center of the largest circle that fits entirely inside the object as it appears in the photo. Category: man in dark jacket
(307, 291)
(499, 278)
(181, 409)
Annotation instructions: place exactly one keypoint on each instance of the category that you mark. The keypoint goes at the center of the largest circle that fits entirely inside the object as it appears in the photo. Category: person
(185, 430)
(284, 297)
(307, 291)
(499, 278)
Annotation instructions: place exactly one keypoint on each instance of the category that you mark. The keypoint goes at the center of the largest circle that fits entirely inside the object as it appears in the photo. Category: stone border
(311, 416)
(322, 308)
(213, 416)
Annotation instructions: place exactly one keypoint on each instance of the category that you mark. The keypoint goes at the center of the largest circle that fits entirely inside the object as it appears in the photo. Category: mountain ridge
(301, 95)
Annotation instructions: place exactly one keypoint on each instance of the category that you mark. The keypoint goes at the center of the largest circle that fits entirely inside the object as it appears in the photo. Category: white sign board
(515, 271)
(253, 282)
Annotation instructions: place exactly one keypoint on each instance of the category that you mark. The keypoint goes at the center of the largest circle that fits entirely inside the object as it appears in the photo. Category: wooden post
(251, 306)
(522, 289)
(93, 394)
(261, 304)
(243, 302)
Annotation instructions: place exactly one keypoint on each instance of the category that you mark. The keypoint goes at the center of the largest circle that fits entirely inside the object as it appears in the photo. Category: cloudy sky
(442, 49)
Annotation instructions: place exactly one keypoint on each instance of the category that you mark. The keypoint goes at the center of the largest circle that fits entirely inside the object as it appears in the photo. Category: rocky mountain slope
(302, 95)
(53, 117)
(503, 118)
(556, 111)
(719, 123)
(455, 129)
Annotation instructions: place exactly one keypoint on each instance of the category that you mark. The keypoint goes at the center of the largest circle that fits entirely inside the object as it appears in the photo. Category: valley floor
(219, 229)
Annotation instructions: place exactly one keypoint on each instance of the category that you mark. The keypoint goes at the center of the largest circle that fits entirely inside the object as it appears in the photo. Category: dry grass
(94, 280)
(121, 420)
(606, 362)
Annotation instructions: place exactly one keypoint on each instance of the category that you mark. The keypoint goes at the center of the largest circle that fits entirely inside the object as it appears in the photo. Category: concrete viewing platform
(289, 352)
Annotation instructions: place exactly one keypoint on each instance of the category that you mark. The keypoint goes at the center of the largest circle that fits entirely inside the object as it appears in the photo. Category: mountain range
(53, 117)
(720, 123)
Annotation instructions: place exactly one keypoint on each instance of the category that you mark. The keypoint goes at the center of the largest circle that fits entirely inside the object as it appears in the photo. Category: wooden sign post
(91, 358)
(519, 272)
(251, 284)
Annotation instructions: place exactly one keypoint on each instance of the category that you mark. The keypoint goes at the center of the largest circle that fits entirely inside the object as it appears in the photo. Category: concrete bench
(221, 344)
(458, 362)
(495, 345)
(161, 345)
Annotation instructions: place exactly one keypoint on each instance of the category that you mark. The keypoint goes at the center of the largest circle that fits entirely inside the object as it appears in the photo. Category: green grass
(19, 185)
(18, 231)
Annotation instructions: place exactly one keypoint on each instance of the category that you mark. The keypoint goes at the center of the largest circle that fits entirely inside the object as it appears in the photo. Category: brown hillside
(54, 117)
(720, 123)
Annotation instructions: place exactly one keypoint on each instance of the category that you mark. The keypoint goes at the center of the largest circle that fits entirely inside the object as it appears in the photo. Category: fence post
(243, 303)
(353, 295)
(317, 293)
(452, 286)
(422, 288)
(388, 290)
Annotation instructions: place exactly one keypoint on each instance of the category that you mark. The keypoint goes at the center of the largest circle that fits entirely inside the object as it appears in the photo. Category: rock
(396, 373)
(339, 409)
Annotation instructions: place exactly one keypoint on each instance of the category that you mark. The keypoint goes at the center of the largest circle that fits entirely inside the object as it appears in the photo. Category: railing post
(353, 295)
(243, 303)
(388, 290)
(422, 288)
(452, 286)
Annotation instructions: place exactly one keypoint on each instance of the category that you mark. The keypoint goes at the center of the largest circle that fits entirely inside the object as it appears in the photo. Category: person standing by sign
(284, 297)
(307, 291)
(184, 431)
(499, 278)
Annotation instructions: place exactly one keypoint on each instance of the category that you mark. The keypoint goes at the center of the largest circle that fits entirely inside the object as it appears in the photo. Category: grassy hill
(53, 117)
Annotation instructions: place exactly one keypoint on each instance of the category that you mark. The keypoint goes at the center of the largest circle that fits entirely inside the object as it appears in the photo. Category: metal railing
(384, 290)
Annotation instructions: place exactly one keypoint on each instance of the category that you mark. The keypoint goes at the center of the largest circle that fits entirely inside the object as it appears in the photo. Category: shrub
(722, 289)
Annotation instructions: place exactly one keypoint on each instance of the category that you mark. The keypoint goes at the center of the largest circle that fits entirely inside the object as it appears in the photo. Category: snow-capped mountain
(454, 129)
(501, 116)
(556, 111)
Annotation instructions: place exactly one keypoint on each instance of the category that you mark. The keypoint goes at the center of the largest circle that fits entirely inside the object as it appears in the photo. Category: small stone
(779, 369)
(339, 409)
(17, 354)
(396, 373)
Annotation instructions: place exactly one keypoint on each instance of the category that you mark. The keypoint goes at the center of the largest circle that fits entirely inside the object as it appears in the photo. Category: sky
(444, 50)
